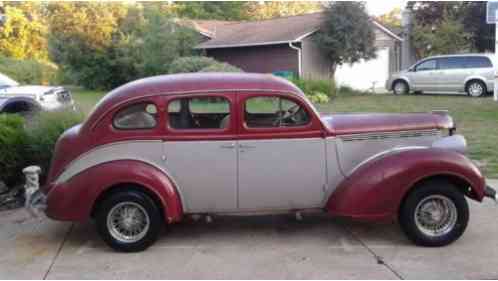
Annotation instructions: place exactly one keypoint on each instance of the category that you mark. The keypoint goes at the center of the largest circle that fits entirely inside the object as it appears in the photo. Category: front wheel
(129, 221)
(434, 214)
(400, 88)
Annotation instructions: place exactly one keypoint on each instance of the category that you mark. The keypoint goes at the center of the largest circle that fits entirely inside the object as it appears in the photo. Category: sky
(379, 7)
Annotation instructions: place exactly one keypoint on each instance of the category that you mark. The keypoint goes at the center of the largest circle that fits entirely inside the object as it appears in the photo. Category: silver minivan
(449, 74)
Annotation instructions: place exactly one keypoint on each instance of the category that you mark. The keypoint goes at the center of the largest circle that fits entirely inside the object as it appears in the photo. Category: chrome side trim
(390, 135)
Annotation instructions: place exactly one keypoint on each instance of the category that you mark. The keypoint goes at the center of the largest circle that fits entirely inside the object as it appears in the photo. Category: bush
(347, 90)
(30, 142)
(28, 71)
(13, 140)
(190, 64)
(318, 91)
(221, 67)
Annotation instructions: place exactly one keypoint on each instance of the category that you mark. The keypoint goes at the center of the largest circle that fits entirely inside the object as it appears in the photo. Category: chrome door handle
(228, 146)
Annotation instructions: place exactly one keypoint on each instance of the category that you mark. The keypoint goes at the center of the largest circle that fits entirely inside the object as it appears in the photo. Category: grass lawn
(476, 118)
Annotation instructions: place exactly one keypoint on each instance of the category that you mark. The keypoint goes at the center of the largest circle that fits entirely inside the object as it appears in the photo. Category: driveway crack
(378, 258)
(59, 250)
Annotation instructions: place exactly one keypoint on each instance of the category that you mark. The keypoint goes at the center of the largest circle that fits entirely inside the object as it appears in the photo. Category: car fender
(375, 190)
(476, 77)
(401, 77)
(74, 199)
(4, 102)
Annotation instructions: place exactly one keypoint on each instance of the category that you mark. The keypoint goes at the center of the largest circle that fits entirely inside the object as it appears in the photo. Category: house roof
(264, 32)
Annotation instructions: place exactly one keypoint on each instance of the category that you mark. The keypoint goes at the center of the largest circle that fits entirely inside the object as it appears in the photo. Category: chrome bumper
(36, 203)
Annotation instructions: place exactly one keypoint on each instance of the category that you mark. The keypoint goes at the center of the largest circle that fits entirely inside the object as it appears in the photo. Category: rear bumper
(490, 192)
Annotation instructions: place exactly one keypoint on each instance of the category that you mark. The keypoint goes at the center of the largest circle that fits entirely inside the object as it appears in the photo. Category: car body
(15, 98)
(204, 144)
(472, 74)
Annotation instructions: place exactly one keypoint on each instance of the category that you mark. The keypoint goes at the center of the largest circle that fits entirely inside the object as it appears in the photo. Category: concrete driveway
(267, 247)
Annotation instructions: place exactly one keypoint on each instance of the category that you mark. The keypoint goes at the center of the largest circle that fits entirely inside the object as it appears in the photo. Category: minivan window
(452, 63)
(426, 65)
(478, 62)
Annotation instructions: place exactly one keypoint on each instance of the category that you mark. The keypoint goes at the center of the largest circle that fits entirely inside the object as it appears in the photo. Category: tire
(420, 198)
(400, 87)
(476, 89)
(145, 217)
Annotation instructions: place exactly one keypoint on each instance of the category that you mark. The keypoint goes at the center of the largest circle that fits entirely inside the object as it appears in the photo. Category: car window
(452, 63)
(426, 65)
(136, 116)
(199, 113)
(478, 62)
(270, 112)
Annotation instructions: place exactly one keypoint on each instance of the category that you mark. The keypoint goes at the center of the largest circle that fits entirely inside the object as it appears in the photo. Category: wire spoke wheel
(436, 215)
(128, 222)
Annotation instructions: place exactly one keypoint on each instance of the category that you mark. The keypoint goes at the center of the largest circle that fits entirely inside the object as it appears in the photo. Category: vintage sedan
(162, 148)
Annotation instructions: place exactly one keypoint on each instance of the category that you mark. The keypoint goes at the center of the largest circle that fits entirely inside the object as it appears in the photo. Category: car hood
(358, 123)
(26, 90)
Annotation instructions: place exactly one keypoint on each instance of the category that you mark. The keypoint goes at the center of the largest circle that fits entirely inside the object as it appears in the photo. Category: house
(286, 44)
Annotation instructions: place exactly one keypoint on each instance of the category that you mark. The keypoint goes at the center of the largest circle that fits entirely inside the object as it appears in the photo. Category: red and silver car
(159, 149)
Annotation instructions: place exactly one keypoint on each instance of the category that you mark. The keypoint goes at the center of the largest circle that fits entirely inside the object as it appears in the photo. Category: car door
(281, 154)
(424, 76)
(200, 151)
(452, 73)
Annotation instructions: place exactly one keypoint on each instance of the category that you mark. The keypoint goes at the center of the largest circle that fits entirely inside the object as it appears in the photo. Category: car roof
(489, 55)
(185, 83)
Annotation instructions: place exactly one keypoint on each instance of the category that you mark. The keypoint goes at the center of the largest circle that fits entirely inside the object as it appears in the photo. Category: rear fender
(75, 198)
(376, 189)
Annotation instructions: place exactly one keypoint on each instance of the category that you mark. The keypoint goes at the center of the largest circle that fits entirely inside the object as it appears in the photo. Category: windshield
(5, 81)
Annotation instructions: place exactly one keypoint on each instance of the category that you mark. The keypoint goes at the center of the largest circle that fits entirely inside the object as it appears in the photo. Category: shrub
(28, 71)
(347, 90)
(13, 140)
(190, 64)
(42, 133)
(318, 91)
(221, 67)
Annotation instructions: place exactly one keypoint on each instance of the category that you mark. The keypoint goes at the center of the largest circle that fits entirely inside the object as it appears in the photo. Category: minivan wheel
(476, 88)
(129, 221)
(434, 214)
(400, 88)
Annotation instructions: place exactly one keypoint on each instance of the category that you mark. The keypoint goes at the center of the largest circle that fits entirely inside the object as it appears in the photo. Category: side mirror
(412, 69)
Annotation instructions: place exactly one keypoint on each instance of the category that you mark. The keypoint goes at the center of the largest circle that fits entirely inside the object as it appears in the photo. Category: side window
(271, 112)
(478, 62)
(199, 113)
(452, 63)
(426, 65)
(136, 116)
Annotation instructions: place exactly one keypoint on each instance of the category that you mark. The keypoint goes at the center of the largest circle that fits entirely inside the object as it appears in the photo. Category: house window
(199, 113)
(271, 112)
(136, 116)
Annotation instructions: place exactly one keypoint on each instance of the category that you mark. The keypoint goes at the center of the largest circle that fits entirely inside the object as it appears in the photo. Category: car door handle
(228, 146)
(245, 146)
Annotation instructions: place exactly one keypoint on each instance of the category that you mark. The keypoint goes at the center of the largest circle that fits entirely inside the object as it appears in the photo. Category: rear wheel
(400, 87)
(129, 221)
(434, 214)
(476, 88)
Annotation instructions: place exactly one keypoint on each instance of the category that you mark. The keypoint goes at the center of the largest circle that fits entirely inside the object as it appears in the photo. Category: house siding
(314, 63)
(258, 59)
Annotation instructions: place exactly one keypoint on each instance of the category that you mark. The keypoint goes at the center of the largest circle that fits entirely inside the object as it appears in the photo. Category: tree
(448, 37)
(391, 19)
(209, 10)
(346, 35)
(274, 9)
(23, 34)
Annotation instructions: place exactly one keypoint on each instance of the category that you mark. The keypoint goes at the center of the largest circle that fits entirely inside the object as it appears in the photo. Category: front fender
(376, 189)
(74, 199)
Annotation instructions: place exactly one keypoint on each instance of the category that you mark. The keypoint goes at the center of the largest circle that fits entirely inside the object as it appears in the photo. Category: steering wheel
(288, 114)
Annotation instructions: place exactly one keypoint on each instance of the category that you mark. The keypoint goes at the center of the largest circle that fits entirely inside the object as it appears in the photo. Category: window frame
(128, 105)
(436, 67)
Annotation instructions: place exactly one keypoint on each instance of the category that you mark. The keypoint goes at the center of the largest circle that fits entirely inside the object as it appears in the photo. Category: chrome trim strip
(390, 135)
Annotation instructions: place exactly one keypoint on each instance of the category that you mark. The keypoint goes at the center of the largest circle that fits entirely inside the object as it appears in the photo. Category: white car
(15, 98)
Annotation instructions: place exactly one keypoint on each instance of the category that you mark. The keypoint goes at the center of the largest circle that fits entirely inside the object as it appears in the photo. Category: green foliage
(211, 10)
(23, 34)
(318, 91)
(28, 71)
(13, 140)
(42, 133)
(260, 10)
(448, 37)
(190, 64)
(346, 35)
(221, 67)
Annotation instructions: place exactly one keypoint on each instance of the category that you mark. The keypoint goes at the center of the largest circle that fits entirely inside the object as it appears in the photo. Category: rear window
(478, 62)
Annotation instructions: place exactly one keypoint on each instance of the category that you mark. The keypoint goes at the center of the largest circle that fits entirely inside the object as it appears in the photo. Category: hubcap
(399, 88)
(436, 215)
(128, 222)
(475, 89)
